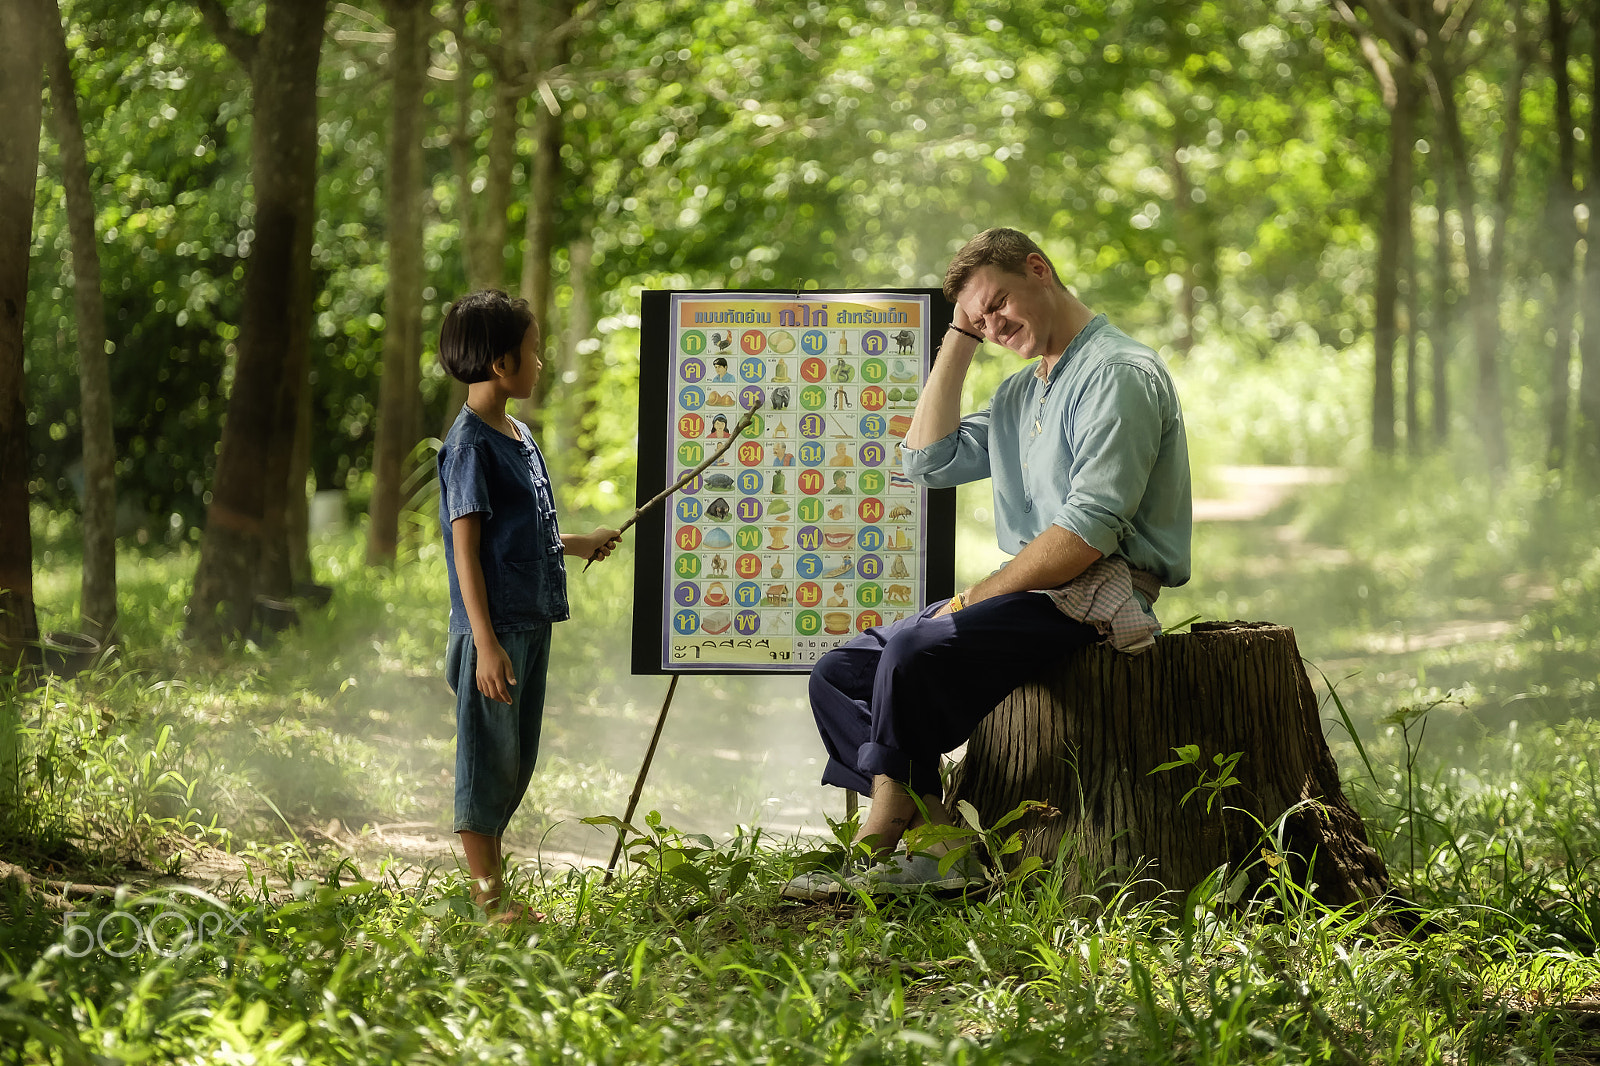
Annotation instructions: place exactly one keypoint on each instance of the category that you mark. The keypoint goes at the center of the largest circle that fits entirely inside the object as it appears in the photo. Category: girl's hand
(591, 546)
(495, 676)
(602, 542)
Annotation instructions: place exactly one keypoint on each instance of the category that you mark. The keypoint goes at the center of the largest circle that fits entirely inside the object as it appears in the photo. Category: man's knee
(828, 675)
(919, 646)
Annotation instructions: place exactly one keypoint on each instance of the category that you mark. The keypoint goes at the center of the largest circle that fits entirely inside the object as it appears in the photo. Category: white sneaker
(823, 883)
(919, 873)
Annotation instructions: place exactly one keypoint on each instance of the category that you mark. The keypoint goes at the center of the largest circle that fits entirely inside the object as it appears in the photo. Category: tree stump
(1085, 738)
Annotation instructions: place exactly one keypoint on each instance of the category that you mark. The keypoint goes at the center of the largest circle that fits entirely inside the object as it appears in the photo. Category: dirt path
(1250, 493)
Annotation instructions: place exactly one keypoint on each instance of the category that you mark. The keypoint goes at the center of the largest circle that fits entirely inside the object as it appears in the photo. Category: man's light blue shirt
(1097, 448)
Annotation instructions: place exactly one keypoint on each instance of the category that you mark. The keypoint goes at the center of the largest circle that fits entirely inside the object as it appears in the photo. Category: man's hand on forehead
(964, 319)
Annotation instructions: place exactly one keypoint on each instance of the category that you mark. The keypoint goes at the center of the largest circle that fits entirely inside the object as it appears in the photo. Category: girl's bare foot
(500, 909)
(513, 912)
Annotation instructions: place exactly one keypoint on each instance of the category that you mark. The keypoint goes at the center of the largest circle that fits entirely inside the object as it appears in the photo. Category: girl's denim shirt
(483, 471)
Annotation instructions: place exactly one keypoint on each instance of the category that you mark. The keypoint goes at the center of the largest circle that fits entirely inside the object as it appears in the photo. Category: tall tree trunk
(1505, 186)
(578, 398)
(1410, 327)
(1587, 438)
(463, 146)
(546, 187)
(243, 551)
(1416, 439)
(289, 456)
(481, 216)
(501, 151)
(1562, 231)
(1394, 233)
(98, 614)
(1440, 326)
(1484, 271)
(402, 336)
(22, 29)
(297, 505)
(461, 157)
(1182, 209)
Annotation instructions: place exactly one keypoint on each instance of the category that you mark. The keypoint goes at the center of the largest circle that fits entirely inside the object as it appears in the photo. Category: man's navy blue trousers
(896, 698)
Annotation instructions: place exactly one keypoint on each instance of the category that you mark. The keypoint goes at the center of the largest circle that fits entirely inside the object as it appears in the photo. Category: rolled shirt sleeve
(1097, 447)
(956, 459)
(1115, 436)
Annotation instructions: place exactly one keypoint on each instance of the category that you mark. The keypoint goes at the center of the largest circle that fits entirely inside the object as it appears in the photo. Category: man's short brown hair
(1007, 249)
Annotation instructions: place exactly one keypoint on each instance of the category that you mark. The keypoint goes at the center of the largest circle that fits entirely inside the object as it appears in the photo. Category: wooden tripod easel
(638, 784)
(851, 800)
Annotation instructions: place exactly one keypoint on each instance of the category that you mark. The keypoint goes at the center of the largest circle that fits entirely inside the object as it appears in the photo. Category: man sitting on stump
(1090, 467)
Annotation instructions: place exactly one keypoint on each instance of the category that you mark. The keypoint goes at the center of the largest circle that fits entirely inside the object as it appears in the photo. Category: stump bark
(1085, 738)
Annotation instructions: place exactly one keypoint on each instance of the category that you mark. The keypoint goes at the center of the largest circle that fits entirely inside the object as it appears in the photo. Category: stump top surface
(1233, 626)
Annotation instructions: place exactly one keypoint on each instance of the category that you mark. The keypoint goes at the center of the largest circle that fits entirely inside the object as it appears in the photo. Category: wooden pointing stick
(742, 425)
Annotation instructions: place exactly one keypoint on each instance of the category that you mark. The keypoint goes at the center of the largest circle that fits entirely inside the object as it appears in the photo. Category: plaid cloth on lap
(1103, 596)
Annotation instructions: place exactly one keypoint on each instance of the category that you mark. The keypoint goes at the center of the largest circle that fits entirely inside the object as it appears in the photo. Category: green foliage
(167, 120)
(163, 116)
(312, 966)
(1212, 782)
(691, 863)
(1235, 407)
(1228, 152)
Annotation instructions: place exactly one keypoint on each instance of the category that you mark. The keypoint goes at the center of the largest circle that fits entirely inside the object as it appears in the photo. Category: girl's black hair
(479, 329)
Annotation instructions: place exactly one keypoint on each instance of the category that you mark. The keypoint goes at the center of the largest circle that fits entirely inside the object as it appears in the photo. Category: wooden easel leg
(638, 785)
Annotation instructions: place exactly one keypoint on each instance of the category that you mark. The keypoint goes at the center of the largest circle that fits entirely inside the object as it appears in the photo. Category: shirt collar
(1074, 346)
(525, 439)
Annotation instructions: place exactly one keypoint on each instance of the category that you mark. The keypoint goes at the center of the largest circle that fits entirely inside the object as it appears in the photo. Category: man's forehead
(990, 277)
(982, 283)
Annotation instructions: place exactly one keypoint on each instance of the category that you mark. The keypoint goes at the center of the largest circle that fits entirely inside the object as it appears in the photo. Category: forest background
(1371, 221)
(1357, 232)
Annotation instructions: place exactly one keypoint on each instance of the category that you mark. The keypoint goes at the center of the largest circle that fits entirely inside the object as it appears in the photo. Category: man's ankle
(878, 845)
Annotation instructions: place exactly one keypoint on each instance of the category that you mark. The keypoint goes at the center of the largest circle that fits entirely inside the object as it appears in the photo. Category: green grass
(348, 715)
(652, 970)
(1478, 773)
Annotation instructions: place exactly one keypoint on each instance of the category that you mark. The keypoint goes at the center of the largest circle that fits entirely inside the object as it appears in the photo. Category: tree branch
(1374, 54)
(1400, 31)
(241, 45)
(570, 27)
(1510, 144)
(552, 39)
(351, 11)
(1458, 20)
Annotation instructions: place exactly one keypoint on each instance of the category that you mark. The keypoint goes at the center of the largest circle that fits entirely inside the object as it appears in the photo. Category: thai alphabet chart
(806, 532)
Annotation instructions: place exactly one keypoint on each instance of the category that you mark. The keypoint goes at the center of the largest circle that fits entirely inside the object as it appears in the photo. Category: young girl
(508, 583)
